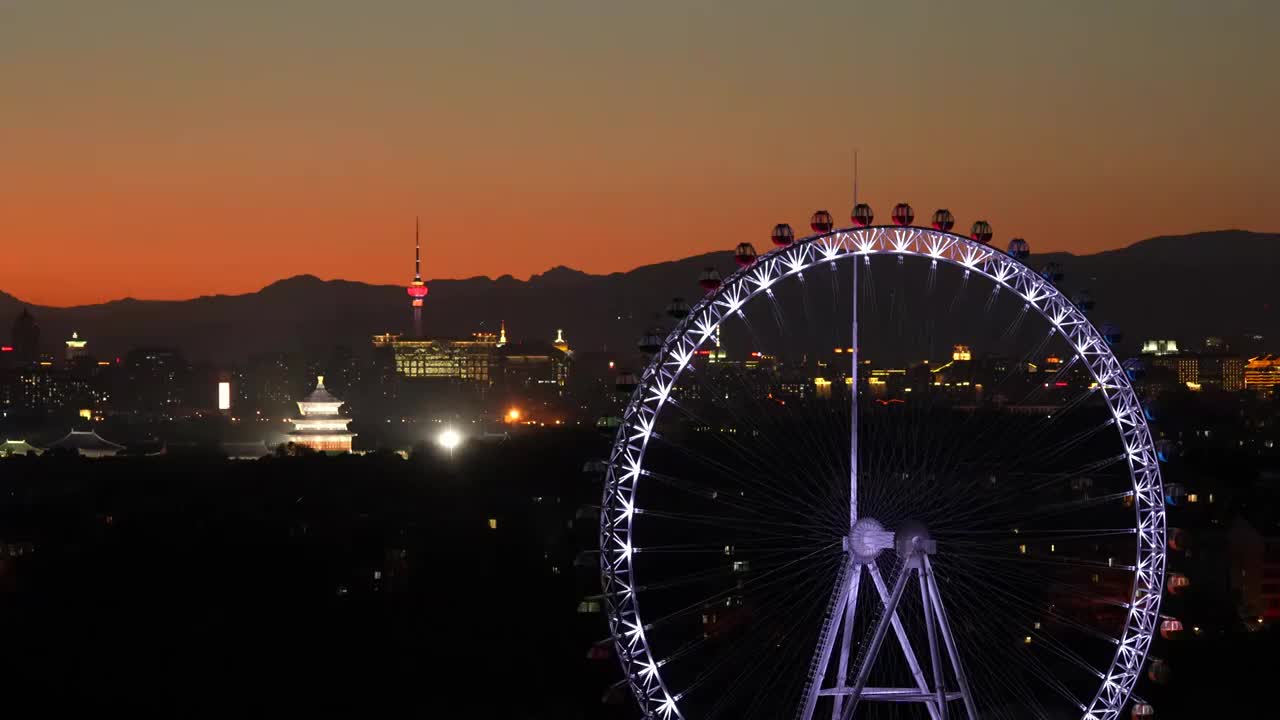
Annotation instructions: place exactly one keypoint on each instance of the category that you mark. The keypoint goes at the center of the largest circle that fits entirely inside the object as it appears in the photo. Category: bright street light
(449, 439)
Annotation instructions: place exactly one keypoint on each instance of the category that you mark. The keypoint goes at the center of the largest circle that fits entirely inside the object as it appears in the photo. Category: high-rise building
(417, 289)
(25, 338)
(154, 380)
(1224, 372)
(321, 427)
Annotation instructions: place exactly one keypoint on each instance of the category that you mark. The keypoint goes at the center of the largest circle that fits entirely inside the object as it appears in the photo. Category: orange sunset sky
(168, 150)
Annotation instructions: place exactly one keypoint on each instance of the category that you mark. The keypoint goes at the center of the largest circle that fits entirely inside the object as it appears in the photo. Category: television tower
(417, 289)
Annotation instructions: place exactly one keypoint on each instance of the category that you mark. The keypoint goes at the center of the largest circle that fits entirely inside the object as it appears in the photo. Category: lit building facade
(1185, 365)
(77, 347)
(1225, 372)
(441, 358)
(321, 428)
(1160, 347)
(1262, 373)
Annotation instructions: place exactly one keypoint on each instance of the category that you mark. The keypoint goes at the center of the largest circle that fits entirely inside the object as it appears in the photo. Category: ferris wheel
(883, 471)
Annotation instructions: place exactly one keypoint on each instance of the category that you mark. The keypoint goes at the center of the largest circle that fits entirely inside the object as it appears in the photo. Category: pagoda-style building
(9, 448)
(321, 427)
(87, 443)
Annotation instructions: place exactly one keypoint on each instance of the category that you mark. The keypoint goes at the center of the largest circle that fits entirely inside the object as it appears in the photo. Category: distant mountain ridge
(1184, 287)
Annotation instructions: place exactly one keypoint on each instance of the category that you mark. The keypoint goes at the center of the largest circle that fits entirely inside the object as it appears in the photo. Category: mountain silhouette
(1184, 287)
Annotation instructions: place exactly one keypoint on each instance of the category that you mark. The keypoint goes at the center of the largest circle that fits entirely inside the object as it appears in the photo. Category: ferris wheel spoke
(1042, 608)
(816, 443)
(783, 609)
(1044, 482)
(1002, 584)
(1051, 680)
(747, 524)
(1054, 509)
(985, 624)
(784, 605)
(758, 458)
(718, 548)
(962, 537)
(999, 438)
(767, 454)
(776, 456)
(766, 488)
(991, 554)
(780, 573)
(1034, 533)
(758, 563)
(768, 503)
(1061, 650)
(1006, 674)
(709, 577)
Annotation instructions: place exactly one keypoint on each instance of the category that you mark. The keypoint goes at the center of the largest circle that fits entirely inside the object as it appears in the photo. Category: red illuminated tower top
(417, 289)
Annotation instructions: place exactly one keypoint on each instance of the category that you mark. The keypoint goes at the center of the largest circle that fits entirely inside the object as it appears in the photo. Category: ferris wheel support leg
(926, 606)
(846, 639)
(827, 637)
(913, 663)
(877, 639)
(945, 628)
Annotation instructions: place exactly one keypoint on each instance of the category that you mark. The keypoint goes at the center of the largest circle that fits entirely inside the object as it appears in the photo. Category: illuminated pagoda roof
(87, 442)
(320, 401)
(18, 447)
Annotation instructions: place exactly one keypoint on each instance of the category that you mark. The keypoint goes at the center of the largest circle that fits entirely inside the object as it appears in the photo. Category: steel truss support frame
(936, 697)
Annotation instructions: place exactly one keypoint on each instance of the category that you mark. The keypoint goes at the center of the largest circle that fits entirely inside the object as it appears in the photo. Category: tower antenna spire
(417, 249)
(855, 177)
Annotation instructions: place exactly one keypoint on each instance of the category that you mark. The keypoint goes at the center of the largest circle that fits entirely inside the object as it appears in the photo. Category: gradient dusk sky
(169, 149)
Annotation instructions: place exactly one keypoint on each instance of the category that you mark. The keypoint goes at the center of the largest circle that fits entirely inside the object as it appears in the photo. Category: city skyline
(173, 152)
(725, 359)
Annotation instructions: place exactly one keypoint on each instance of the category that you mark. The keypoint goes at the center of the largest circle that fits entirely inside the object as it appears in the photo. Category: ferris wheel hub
(867, 539)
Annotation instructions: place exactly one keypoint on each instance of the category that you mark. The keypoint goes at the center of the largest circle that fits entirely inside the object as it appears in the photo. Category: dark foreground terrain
(190, 585)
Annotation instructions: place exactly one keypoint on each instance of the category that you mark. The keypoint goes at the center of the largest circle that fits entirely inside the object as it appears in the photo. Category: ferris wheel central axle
(868, 538)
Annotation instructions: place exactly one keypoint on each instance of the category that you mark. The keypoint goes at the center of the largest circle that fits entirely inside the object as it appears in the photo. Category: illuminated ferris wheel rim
(626, 462)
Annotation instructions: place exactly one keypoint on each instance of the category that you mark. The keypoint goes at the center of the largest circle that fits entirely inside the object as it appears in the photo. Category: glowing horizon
(170, 152)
